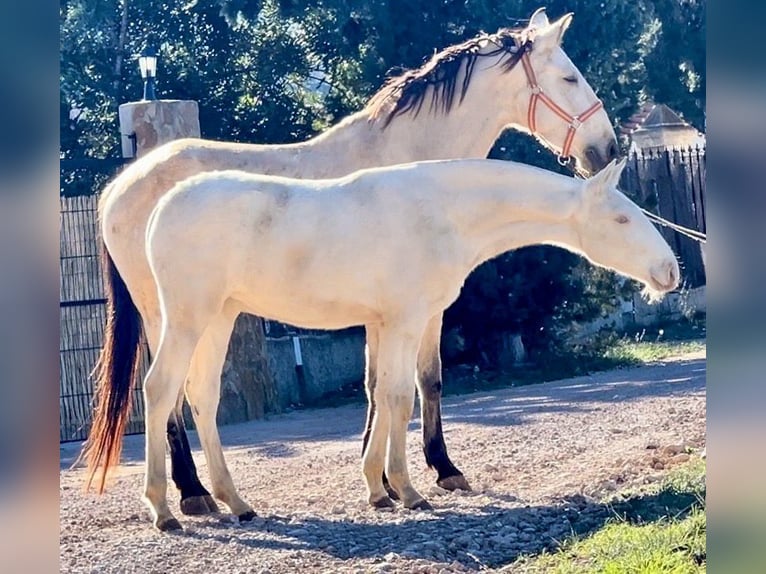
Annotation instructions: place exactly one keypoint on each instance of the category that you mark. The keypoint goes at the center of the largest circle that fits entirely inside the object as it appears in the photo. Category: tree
(271, 71)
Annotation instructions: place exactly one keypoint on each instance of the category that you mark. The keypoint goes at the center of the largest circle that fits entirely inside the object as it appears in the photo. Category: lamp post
(147, 62)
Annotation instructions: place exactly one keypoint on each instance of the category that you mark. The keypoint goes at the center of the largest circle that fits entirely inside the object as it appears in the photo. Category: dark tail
(114, 375)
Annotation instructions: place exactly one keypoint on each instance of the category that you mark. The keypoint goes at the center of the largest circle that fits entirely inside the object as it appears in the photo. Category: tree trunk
(120, 49)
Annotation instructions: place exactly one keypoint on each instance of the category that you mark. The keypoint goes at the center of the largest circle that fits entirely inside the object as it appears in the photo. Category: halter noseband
(538, 94)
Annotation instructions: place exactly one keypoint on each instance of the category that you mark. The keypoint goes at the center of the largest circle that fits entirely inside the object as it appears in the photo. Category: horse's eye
(571, 79)
(621, 219)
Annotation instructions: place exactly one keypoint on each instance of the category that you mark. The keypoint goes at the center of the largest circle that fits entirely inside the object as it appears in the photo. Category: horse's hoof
(421, 504)
(391, 492)
(246, 516)
(198, 505)
(383, 502)
(456, 482)
(168, 524)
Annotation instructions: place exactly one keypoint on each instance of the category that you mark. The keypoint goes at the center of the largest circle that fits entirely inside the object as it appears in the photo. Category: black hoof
(246, 516)
(198, 505)
(455, 482)
(384, 502)
(168, 524)
(421, 505)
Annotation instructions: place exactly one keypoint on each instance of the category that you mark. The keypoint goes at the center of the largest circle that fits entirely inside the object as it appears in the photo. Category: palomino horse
(492, 93)
(386, 247)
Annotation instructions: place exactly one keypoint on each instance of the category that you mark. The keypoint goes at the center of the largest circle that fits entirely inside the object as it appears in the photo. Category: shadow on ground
(490, 536)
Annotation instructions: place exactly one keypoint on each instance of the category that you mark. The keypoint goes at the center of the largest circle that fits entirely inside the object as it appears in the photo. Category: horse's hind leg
(195, 498)
(203, 393)
(161, 388)
(430, 389)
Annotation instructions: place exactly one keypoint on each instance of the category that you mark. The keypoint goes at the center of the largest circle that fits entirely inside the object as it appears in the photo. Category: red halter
(573, 121)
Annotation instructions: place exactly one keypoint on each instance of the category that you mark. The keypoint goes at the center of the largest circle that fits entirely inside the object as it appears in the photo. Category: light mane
(439, 75)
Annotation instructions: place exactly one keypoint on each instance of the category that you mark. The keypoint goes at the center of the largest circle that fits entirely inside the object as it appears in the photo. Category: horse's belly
(309, 313)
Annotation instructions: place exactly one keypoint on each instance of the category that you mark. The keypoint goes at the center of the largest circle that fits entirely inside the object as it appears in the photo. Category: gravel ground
(540, 459)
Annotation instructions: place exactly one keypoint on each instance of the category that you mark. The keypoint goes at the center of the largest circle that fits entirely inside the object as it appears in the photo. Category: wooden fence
(671, 183)
(81, 296)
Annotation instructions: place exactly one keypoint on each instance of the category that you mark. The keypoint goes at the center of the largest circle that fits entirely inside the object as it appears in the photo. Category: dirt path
(538, 457)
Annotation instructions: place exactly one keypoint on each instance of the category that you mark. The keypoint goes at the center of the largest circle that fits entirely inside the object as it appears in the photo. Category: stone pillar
(147, 124)
(247, 388)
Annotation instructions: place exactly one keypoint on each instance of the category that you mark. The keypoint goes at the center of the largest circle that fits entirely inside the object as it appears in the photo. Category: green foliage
(273, 71)
(655, 531)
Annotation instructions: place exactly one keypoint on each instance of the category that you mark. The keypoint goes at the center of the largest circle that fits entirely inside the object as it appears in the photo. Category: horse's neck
(494, 100)
(500, 207)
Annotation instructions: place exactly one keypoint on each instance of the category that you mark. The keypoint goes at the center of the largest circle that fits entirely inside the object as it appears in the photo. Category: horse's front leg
(396, 393)
(370, 381)
(430, 389)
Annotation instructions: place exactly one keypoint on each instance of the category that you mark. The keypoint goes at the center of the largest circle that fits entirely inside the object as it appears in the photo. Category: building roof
(657, 126)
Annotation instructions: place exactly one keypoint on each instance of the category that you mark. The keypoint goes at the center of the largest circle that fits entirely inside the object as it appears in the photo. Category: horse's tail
(114, 374)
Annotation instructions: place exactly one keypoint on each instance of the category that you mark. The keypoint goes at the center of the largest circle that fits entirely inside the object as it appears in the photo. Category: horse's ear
(562, 24)
(549, 36)
(607, 178)
(539, 19)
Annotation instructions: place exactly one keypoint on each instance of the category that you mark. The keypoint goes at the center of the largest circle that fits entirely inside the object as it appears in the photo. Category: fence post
(147, 124)
(247, 388)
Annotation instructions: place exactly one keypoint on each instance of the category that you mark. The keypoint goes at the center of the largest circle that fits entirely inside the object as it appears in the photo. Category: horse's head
(563, 110)
(614, 233)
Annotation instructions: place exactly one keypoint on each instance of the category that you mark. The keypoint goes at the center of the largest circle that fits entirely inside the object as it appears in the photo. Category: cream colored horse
(388, 247)
(469, 94)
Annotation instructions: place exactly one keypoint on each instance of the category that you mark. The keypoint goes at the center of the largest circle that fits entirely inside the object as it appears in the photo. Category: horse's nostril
(612, 151)
(592, 154)
(672, 275)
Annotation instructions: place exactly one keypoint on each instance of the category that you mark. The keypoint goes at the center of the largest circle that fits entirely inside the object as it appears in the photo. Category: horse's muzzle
(666, 275)
(599, 159)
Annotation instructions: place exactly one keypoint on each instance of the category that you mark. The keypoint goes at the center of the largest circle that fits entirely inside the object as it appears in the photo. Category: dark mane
(438, 76)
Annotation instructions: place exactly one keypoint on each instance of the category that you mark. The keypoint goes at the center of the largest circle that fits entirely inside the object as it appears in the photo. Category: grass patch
(658, 343)
(661, 530)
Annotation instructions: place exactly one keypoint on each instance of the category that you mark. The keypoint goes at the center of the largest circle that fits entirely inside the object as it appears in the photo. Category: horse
(471, 92)
(388, 248)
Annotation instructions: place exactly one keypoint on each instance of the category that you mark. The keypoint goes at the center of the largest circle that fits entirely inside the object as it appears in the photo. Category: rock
(339, 509)
(490, 468)
(673, 449)
(679, 458)
(437, 490)
(658, 465)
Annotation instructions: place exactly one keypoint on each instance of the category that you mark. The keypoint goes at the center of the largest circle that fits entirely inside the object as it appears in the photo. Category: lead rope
(690, 233)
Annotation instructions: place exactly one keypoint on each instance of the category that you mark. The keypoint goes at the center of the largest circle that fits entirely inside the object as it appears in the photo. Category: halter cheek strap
(573, 121)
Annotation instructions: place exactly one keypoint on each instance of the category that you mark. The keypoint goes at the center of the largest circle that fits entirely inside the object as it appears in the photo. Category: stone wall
(330, 361)
(639, 312)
